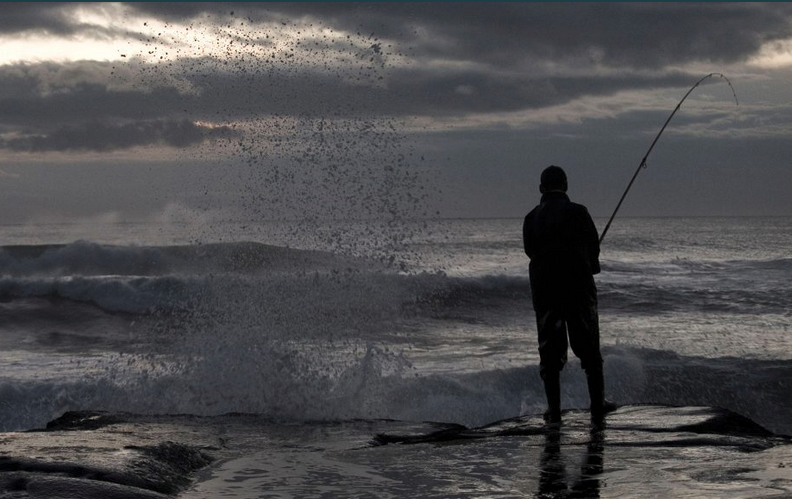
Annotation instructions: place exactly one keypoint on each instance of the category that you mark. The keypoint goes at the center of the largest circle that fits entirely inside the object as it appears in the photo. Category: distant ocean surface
(428, 320)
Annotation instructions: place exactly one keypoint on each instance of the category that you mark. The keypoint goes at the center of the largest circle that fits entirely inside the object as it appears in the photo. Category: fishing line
(657, 137)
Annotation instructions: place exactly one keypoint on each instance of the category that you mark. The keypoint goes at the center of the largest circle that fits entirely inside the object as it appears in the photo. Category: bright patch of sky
(113, 32)
(777, 54)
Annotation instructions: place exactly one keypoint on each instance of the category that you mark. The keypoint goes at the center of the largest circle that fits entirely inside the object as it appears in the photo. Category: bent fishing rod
(643, 165)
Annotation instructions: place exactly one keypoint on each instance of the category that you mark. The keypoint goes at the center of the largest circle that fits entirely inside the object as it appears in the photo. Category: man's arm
(528, 243)
(592, 243)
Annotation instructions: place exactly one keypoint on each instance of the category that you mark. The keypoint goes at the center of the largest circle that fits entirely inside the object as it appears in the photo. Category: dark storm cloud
(55, 18)
(85, 102)
(51, 95)
(615, 34)
(498, 55)
(462, 60)
(639, 35)
(102, 136)
(459, 93)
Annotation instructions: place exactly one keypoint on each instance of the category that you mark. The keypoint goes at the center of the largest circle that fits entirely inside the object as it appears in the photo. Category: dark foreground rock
(100, 455)
(636, 452)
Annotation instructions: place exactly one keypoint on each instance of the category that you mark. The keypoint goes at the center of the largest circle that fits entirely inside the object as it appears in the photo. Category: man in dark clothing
(562, 242)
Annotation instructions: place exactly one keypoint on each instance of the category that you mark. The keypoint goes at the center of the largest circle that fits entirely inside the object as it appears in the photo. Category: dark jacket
(563, 244)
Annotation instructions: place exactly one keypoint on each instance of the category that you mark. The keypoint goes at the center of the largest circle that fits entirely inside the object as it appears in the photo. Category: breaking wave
(292, 334)
(370, 388)
(142, 279)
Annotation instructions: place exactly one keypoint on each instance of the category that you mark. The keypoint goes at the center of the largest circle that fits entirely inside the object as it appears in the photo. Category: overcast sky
(390, 110)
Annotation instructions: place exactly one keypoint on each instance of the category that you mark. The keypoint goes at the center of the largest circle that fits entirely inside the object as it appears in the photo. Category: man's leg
(584, 340)
(552, 386)
(552, 358)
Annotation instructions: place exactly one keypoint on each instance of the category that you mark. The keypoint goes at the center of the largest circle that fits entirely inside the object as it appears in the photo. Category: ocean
(416, 321)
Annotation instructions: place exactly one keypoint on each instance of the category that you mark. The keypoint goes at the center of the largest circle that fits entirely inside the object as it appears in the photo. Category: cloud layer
(99, 136)
(635, 34)
(315, 79)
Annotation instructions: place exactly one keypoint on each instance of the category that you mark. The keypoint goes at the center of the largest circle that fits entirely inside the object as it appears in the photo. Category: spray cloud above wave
(285, 137)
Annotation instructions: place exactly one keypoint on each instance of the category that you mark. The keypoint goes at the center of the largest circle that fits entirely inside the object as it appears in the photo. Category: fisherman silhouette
(562, 242)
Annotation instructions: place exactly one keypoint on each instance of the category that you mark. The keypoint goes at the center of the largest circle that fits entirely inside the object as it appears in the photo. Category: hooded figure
(562, 242)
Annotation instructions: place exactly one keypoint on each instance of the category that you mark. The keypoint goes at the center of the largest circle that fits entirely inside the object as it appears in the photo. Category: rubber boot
(596, 387)
(552, 385)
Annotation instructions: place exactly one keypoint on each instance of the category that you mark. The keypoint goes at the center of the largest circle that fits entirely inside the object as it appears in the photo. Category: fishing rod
(643, 162)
